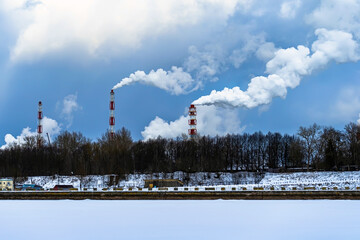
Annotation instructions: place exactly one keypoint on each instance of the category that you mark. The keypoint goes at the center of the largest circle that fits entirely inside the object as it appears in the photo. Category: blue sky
(71, 54)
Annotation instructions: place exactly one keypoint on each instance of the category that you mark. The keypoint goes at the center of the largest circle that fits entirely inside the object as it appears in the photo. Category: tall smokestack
(192, 121)
(40, 127)
(112, 116)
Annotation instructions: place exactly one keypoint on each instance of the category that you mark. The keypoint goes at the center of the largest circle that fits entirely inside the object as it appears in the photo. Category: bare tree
(30, 142)
(310, 136)
(331, 148)
(352, 143)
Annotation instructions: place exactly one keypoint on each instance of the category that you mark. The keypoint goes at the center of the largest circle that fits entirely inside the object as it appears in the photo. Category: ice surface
(219, 219)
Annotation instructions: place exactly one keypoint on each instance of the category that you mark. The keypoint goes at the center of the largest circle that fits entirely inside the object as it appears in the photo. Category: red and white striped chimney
(112, 116)
(40, 127)
(192, 121)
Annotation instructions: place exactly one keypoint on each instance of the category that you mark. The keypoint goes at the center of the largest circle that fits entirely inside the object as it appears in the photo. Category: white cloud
(346, 106)
(69, 106)
(250, 46)
(334, 14)
(286, 69)
(288, 9)
(158, 127)
(266, 51)
(210, 121)
(11, 140)
(49, 126)
(207, 63)
(358, 121)
(49, 26)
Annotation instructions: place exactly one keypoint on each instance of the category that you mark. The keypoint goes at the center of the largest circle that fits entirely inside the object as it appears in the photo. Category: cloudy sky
(249, 65)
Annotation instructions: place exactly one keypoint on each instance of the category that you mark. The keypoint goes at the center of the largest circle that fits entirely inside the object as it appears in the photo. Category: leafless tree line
(312, 148)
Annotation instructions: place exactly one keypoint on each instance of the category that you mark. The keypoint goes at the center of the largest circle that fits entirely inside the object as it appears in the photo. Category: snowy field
(90, 219)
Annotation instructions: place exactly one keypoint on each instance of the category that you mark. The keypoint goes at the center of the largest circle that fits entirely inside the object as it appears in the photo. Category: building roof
(163, 180)
(64, 186)
(31, 186)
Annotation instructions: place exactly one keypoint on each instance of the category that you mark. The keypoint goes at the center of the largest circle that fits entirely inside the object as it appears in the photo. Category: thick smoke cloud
(49, 126)
(286, 69)
(175, 81)
(211, 121)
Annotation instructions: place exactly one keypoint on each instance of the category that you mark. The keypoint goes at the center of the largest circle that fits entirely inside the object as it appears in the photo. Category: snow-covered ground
(240, 180)
(315, 179)
(137, 180)
(180, 219)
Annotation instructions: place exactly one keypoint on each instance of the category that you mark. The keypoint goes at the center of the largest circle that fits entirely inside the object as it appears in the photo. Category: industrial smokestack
(192, 121)
(112, 116)
(40, 127)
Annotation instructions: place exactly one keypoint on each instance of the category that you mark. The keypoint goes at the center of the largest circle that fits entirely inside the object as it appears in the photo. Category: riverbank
(181, 195)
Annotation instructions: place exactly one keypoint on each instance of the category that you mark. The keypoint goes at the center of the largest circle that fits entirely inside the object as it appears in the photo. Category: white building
(6, 184)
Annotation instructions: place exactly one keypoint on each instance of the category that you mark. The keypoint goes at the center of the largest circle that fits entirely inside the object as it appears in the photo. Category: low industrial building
(31, 187)
(6, 184)
(153, 183)
(63, 187)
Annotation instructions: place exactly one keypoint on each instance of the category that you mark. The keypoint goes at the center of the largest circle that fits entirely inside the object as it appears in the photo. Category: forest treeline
(71, 153)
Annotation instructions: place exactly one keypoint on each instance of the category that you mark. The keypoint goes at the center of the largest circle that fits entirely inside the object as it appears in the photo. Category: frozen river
(220, 219)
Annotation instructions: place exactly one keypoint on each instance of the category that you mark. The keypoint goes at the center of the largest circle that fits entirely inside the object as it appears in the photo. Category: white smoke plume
(203, 65)
(175, 81)
(69, 106)
(49, 126)
(286, 69)
(211, 121)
